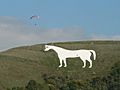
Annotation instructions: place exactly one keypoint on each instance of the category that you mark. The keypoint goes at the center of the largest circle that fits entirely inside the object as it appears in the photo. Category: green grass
(21, 64)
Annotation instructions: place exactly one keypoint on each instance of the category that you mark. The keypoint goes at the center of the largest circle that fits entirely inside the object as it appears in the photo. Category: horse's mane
(58, 47)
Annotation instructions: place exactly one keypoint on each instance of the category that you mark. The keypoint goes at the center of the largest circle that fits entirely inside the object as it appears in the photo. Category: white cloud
(13, 33)
(104, 37)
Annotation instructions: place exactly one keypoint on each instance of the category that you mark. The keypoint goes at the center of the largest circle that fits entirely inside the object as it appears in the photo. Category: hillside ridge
(21, 64)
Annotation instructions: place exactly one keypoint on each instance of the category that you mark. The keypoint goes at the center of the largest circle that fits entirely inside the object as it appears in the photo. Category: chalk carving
(63, 54)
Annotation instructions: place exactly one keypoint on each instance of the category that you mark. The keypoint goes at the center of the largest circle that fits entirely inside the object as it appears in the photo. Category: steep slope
(19, 65)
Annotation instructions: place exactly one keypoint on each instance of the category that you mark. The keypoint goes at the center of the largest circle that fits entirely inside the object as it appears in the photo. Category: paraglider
(34, 18)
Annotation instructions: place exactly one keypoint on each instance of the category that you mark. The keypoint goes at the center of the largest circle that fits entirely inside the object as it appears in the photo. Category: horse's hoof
(60, 66)
(90, 67)
(83, 66)
(65, 66)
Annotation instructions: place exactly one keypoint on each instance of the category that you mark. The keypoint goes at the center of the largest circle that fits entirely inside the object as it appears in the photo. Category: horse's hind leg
(84, 63)
(90, 61)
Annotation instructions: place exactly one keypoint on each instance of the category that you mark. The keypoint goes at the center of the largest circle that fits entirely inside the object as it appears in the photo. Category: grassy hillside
(19, 65)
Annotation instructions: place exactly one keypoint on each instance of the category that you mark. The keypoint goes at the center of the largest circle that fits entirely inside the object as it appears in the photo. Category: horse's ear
(46, 45)
(52, 43)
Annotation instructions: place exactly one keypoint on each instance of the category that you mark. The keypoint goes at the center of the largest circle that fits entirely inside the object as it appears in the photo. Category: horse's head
(47, 48)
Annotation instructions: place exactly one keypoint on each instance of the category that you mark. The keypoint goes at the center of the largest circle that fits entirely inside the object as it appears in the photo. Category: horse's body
(63, 54)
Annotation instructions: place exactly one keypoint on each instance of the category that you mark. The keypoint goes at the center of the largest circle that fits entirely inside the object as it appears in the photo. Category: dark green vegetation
(30, 68)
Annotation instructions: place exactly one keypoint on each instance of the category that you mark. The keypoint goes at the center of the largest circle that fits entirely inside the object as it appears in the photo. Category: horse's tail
(94, 54)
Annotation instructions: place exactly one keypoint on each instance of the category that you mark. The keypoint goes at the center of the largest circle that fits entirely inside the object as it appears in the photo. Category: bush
(108, 82)
(33, 85)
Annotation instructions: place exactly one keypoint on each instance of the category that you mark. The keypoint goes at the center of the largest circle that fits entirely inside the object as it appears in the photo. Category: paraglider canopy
(34, 17)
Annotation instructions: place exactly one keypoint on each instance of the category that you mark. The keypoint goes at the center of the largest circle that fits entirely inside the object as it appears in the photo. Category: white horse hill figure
(63, 54)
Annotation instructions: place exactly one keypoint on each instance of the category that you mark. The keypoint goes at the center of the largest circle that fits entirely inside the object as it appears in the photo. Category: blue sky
(81, 19)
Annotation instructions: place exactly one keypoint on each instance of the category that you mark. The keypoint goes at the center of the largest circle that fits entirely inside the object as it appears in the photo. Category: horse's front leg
(60, 62)
(65, 64)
